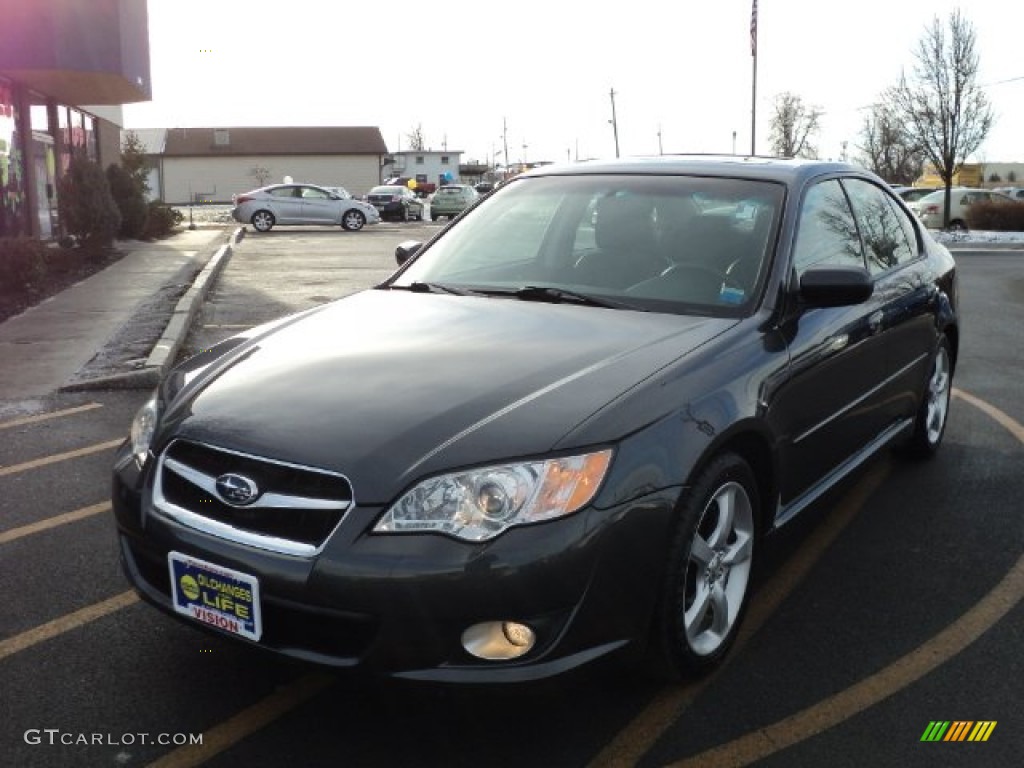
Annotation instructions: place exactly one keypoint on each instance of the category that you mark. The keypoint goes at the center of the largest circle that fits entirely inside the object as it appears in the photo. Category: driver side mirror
(406, 251)
(835, 286)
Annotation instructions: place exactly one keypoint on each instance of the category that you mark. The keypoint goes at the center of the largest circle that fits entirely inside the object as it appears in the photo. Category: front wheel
(709, 570)
(353, 220)
(262, 221)
(932, 414)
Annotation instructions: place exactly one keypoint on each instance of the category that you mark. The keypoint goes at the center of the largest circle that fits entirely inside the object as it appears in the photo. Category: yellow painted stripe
(245, 723)
(53, 522)
(635, 740)
(980, 731)
(65, 623)
(870, 691)
(630, 744)
(58, 457)
(47, 416)
(989, 727)
(1008, 423)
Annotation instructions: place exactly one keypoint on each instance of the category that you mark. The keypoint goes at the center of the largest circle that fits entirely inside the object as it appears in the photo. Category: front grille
(294, 504)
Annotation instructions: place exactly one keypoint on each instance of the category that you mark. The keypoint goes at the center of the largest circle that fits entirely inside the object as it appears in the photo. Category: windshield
(660, 243)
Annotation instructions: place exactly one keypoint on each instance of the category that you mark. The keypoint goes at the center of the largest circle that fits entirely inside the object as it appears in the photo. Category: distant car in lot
(396, 203)
(451, 199)
(929, 208)
(484, 187)
(284, 204)
(1016, 193)
(550, 437)
(910, 194)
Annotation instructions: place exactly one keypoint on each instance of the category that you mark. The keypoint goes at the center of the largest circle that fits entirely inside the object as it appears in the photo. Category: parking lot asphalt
(908, 612)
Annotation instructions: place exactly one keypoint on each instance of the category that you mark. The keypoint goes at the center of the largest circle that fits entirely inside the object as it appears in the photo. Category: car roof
(792, 171)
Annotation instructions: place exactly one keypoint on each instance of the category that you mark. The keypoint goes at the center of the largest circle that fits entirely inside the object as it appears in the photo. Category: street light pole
(615, 123)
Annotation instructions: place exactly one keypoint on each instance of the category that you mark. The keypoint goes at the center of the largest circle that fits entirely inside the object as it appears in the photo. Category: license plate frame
(216, 595)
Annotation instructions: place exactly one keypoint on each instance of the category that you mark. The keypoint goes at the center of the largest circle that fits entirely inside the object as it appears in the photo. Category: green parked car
(452, 199)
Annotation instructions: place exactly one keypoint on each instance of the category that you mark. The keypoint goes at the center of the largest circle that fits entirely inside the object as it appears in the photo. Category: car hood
(388, 386)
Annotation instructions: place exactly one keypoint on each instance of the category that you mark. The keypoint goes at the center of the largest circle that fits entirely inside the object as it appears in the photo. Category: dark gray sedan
(557, 434)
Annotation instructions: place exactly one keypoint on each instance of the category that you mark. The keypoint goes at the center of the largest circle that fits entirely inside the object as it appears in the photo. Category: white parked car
(301, 204)
(929, 208)
(1017, 193)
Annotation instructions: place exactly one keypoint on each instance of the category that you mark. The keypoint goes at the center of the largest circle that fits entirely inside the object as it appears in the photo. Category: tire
(434, 217)
(957, 226)
(353, 220)
(709, 570)
(262, 221)
(933, 413)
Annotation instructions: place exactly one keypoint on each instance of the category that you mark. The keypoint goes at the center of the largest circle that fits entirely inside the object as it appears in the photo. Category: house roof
(325, 140)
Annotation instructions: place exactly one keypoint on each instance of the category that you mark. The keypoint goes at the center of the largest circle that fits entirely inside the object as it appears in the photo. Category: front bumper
(397, 605)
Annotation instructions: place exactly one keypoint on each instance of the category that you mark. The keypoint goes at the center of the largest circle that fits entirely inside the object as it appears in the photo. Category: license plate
(215, 595)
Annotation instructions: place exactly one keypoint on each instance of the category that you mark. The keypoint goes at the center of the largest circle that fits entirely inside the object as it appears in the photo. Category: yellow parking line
(245, 723)
(65, 623)
(51, 415)
(46, 460)
(53, 522)
(633, 742)
(871, 690)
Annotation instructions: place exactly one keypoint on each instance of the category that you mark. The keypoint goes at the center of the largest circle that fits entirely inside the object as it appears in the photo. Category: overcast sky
(464, 69)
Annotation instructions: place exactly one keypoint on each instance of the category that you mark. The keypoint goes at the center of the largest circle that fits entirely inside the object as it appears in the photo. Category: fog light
(498, 640)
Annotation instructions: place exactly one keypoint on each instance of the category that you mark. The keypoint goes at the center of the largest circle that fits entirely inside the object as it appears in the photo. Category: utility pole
(660, 150)
(615, 123)
(504, 138)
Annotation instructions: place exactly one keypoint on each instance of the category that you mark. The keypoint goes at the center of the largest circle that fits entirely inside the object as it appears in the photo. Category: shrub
(87, 209)
(996, 216)
(161, 220)
(130, 198)
(22, 260)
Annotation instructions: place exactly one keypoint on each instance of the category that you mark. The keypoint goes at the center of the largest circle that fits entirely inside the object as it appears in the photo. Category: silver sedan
(301, 204)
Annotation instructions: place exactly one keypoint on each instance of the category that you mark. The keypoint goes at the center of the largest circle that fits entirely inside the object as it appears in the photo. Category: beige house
(209, 165)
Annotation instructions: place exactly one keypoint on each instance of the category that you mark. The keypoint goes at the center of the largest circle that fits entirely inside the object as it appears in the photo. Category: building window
(221, 137)
(419, 159)
(444, 159)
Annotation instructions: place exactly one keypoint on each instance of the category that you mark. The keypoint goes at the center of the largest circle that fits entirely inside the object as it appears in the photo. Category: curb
(166, 349)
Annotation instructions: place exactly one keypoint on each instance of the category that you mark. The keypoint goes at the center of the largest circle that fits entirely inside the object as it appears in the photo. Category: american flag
(753, 29)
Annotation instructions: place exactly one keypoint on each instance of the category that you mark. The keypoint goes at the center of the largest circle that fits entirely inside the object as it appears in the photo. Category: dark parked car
(396, 203)
(558, 433)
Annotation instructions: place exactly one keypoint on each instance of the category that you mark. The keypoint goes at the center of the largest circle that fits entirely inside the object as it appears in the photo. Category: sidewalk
(48, 347)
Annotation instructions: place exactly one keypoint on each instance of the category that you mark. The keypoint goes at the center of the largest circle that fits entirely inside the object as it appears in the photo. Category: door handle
(875, 321)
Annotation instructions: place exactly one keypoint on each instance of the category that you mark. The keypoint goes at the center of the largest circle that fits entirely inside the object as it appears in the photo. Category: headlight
(479, 504)
(143, 428)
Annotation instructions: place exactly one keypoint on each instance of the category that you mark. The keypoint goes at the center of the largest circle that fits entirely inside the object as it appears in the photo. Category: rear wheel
(353, 220)
(933, 412)
(957, 226)
(709, 570)
(262, 221)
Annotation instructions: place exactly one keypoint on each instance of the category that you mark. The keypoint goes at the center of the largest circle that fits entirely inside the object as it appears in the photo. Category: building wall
(433, 165)
(216, 179)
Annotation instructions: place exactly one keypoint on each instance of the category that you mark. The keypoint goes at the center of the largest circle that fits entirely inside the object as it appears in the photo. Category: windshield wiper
(422, 287)
(559, 295)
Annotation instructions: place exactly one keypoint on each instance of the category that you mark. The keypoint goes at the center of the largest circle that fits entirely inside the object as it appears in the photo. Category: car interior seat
(625, 252)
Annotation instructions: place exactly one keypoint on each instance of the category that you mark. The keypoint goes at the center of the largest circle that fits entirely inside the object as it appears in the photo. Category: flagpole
(753, 90)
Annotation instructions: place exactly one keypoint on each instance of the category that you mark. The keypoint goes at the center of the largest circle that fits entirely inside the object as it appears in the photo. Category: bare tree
(941, 105)
(416, 140)
(888, 149)
(793, 126)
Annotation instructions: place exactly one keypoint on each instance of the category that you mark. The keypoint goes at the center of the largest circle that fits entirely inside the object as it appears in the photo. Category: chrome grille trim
(267, 500)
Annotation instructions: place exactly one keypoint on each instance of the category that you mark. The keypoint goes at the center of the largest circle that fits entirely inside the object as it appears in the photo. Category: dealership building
(66, 68)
